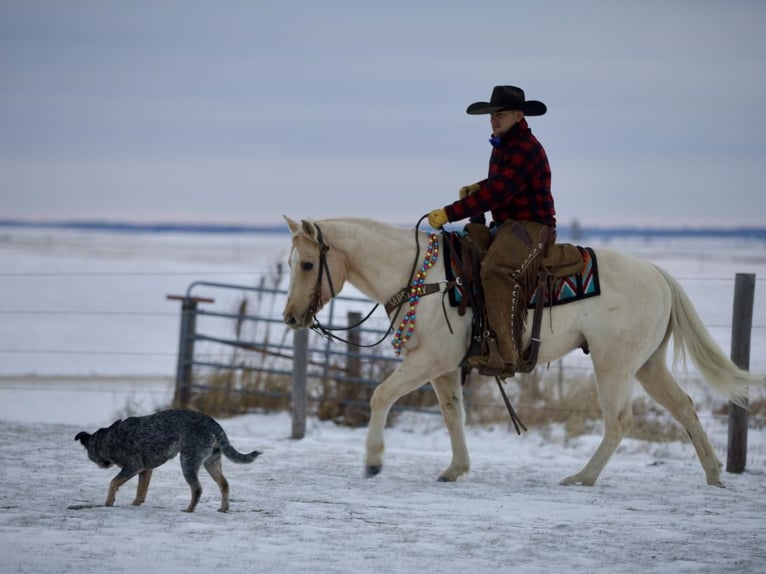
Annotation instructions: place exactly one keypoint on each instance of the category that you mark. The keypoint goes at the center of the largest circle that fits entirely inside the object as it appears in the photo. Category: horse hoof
(576, 480)
(572, 481)
(445, 479)
(373, 470)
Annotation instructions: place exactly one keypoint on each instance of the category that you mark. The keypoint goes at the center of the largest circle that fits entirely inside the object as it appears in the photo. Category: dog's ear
(84, 438)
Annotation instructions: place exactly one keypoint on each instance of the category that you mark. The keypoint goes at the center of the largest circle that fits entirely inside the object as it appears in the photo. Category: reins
(397, 301)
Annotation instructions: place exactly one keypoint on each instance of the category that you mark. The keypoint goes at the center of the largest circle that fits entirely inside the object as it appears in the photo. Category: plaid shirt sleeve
(518, 186)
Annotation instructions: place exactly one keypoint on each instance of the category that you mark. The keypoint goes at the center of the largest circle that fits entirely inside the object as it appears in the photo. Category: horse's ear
(309, 229)
(292, 225)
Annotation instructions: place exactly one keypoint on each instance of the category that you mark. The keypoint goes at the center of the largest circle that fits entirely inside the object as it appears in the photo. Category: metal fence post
(299, 392)
(353, 361)
(185, 352)
(186, 347)
(742, 323)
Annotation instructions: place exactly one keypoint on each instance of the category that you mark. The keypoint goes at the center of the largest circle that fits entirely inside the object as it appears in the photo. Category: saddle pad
(576, 286)
(565, 290)
(453, 253)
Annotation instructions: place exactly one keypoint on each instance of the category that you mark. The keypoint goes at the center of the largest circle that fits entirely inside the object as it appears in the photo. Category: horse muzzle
(302, 322)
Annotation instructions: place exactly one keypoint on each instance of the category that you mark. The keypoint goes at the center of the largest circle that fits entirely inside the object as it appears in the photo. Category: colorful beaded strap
(407, 326)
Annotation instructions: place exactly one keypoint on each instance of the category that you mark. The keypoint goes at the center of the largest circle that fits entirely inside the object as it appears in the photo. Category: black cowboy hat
(507, 98)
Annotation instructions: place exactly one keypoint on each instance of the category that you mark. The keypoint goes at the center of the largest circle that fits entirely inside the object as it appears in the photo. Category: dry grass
(232, 392)
(756, 411)
(544, 398)
(540, 401)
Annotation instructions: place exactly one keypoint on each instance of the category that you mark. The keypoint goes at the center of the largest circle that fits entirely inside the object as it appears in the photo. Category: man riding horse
(518, 194)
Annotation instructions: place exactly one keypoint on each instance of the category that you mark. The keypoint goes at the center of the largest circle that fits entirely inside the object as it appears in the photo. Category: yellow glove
(437, 218)
(467, 190)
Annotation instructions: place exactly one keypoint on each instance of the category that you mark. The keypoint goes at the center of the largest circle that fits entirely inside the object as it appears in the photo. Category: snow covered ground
(303, 506)
(70, 300)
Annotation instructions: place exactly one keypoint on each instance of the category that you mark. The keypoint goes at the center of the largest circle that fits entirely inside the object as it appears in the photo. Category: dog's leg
(124, 476)
(143, 485)
(213, 466)
(190, 464)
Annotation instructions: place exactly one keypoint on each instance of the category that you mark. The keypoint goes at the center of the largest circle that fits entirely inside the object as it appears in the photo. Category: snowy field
(87, 336)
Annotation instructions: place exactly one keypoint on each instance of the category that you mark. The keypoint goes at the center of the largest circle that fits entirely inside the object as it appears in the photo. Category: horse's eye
(307, 265)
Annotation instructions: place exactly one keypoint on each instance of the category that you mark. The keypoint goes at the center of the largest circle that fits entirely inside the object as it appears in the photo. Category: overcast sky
(239, 112)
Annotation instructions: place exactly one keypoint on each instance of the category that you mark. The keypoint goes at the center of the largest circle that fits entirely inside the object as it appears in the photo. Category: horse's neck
(379, 257)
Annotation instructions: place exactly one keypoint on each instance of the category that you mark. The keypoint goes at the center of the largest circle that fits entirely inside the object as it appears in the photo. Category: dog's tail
(232, 453)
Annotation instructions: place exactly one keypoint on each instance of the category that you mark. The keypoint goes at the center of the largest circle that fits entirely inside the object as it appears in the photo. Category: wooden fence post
(742, 323)
(299, 392)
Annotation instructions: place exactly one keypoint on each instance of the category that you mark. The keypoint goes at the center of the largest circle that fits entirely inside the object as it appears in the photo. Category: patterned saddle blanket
(571, 277)
(574, 286)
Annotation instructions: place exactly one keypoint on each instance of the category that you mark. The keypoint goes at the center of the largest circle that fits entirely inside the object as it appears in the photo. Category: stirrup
(491, 364)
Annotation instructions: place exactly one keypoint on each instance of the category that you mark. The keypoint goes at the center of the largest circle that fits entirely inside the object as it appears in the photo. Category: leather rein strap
(316, 300)
(393, 304)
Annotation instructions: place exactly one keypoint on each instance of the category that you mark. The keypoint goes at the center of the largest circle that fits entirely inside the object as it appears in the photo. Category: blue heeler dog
(140, 444)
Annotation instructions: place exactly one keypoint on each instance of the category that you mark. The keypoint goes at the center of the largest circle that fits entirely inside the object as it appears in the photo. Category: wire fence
(37, 317)
(121, 326)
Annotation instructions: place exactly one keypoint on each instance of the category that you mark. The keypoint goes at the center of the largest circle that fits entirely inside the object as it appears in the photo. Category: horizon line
(573, 228)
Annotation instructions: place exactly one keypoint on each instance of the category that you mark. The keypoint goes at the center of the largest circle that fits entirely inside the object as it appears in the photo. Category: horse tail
(690, 335)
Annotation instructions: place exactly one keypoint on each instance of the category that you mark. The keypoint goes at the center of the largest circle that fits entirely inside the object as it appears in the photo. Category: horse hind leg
(614, 396)
(660, 384)
(450, 394)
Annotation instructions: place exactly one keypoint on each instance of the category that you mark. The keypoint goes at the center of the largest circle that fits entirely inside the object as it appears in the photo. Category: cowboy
(518, 195)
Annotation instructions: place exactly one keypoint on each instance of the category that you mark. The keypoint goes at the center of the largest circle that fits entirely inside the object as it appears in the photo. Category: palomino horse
(627, 329)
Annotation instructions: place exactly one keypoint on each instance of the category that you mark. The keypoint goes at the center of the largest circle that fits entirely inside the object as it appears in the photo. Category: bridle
(316, 298)
(396, 302)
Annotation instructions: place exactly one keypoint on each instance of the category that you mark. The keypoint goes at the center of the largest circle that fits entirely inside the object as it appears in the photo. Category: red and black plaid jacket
(518, 186)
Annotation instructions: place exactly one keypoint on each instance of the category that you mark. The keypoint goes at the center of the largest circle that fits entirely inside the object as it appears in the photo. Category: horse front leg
(402, 381)
(450, 395)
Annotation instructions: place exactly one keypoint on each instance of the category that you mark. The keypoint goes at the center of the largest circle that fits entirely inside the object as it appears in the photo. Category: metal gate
(230, 327)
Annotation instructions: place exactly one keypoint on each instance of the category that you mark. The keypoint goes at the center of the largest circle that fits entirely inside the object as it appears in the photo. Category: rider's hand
(467, 190)
(437, 218)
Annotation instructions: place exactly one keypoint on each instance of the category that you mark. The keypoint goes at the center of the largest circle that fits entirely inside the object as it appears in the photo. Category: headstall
(411, 294)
